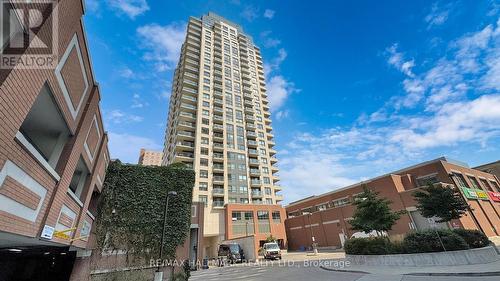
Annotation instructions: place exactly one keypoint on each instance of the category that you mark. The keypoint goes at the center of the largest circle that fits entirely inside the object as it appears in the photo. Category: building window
(495, 184)
(460, 180)
(13, 31)
(322, 207)
(486, 184)
(276, 217)
(204, 199)
(426, 180)
(203, 162)
(267, 191)
(243, 200)
(474, 182)
(269, 201)
(77, 184)
(340, 202)
(203, 186)
(44, 131)
(263, 218)
(204, 141)
(203, 174)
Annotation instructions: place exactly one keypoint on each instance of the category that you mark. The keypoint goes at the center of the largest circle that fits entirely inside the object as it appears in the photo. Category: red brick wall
(18, 90)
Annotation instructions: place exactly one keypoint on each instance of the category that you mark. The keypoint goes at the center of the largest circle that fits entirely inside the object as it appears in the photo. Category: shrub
(474, 238)
(368, 246)
(428, 241)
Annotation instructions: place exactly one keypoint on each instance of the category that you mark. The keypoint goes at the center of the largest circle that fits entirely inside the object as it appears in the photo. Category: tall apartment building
(219, 124)
(54, 151)
(150, 157)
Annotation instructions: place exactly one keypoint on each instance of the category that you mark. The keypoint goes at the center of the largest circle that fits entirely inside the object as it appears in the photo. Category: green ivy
(132, 206)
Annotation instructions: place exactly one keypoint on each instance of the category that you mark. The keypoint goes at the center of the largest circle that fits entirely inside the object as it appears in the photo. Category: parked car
(271, 251)
(231, 253)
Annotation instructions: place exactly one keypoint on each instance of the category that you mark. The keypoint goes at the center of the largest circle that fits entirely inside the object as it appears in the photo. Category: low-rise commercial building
(491, 168)
(325, 218)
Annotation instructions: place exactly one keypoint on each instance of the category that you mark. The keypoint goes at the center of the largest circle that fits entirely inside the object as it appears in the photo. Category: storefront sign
(47, 232)
(475, 194)
(495, 196)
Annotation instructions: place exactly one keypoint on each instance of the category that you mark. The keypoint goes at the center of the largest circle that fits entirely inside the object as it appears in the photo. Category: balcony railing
(218, 203)
(218, 191)
(218, 178)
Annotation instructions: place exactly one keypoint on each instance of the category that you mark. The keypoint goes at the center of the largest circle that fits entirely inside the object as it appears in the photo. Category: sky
(356, 88)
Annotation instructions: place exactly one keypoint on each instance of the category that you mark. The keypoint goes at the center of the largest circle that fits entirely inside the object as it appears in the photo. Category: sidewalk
(488, 269)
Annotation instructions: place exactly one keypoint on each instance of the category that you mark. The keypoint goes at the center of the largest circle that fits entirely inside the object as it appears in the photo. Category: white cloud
(126, 147)
(250, 13)
(138, 102)
(162, 43)
(269, 14)
(448, 106)
(275, 63)
(131, 8)
(126, 72)
(283, 114)
(278, 89)
(437, 16)
(269, 42)
(397, 60)
(118, 117)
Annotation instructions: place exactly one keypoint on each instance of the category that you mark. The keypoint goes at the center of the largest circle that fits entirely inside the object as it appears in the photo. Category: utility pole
(158, 273)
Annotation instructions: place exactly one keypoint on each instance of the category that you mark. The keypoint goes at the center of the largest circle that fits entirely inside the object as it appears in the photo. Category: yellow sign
(62, 234)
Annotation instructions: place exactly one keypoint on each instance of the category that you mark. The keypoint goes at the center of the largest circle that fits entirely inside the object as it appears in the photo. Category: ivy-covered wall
(132, 205)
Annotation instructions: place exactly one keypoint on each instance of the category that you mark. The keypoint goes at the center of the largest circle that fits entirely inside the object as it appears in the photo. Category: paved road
(298, 272)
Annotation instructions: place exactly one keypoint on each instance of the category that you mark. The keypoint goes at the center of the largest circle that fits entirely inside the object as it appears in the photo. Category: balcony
(218, 167)
(218, 146)
(219, 191)
(255, 172)
(189, 99)
(190, 90)
(187, 115)
(185, 155)
(257, 194)
(251, 135)
(186, 134)
(218, 101)
(278, 197)
(185, 124)
(218, 155)
(251, 143)
(218, 204)
(218, 136)
(253, 152)
(256, 183)
(218, 119)
(185, 144)
(253, 162)
(218, 179)
(218, 109)
(273, 159)
(188, 107)
(218, 127)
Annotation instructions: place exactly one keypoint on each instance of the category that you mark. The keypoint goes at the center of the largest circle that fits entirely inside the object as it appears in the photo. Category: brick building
(150, 157)
(261, 221)
(326, 217)
(54, 151)
(491, 168)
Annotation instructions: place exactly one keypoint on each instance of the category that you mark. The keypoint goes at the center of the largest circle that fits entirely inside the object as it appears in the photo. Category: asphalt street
(298, 271)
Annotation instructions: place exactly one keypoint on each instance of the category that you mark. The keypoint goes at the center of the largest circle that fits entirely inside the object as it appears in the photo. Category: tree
(442, 202)
(373, 213)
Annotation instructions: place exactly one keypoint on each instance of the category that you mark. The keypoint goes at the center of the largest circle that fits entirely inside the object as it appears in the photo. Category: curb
(493, 273)
(472, 274)
(344, 270)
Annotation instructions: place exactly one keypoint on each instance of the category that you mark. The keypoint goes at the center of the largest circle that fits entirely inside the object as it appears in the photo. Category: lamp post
(312, 234)
(159, 274)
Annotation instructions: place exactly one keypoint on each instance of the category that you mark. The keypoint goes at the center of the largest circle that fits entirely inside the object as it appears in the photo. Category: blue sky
(357, 88)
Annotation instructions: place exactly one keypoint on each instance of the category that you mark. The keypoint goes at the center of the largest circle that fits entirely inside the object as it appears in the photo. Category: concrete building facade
(219, 122)
(54, 151)
(150, 157)
(326, 217)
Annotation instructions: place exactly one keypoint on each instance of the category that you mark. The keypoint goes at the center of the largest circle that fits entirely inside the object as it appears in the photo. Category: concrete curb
(344, 270)
(472, 274)
(493, 273)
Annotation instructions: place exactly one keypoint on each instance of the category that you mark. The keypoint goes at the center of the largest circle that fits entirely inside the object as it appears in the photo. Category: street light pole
(170, 193)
